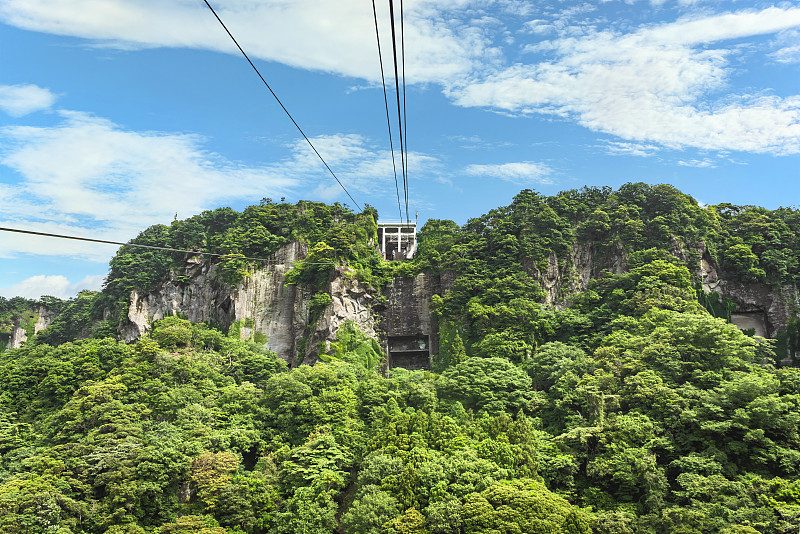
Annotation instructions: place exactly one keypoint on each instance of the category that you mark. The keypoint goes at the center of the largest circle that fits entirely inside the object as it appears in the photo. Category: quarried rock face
(754, 321)
(263, 303)
(775, 304)
(564, 277)
(411, 333)
(350, 301)
(267, 309)
(19, 335)
(201, 294)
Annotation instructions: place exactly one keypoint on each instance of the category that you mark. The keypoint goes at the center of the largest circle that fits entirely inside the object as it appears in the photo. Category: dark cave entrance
(409, 352)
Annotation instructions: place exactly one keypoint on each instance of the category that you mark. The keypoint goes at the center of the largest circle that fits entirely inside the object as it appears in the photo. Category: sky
(119, 114)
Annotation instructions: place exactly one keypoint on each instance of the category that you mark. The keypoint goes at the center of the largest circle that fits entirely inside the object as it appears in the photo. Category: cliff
(262, 306)
(266, 309)
(29, 324)
(767, 309)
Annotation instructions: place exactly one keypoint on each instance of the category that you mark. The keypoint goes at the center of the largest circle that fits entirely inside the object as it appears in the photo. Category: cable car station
(397, 240)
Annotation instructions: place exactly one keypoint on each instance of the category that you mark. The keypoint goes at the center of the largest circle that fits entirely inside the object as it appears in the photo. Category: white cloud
(90, 177)
(616, 148)
(704, 163)
(59, 286)
(363, 168)
(787, 46)
(659, 84)
(89, 167)
(787, 54)
(539, 27)
(723, 27)
(19, 100)
(651, 85)
(333, 35)
(475, 142)
(521, 173)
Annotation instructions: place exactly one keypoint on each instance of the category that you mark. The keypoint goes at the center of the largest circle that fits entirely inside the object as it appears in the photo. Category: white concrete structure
(397, 240)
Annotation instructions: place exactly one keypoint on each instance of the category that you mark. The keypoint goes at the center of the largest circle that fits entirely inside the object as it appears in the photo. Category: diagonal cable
(281, 104)
(154, 247)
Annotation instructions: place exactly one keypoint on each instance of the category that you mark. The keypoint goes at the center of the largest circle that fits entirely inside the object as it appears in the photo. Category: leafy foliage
(632, 407)
(334, 233)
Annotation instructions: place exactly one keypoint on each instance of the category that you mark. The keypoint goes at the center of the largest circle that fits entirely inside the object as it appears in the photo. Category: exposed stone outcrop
(350, 301)
(201, 294)
(411, 334)
(765, 308)
(760, 302)
(41, 318)
(263, 302)
(18, 337)
(408, 305)
(400, 318)
(563, 277)
(707, 272)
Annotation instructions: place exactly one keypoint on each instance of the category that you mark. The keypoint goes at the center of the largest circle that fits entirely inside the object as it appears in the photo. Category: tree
(739, 258)
(491, 384)
(370, 511)
(211, 472)
(411, 522)
(523, 507)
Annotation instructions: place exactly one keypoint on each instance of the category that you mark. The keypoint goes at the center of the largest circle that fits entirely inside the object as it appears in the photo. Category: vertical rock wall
(19, 335)
(263, 302)
(771, 304)
(408, 315)
(276, 310)
(278, 314)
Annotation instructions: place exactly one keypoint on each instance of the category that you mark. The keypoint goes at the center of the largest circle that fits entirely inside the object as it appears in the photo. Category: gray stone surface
(775, 303)
(277, 310)
(18, 334)
(751, 320)
(281, 312)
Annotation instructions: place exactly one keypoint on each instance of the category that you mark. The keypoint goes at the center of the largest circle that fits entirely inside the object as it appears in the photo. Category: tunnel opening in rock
(409, 352)
(751, 321)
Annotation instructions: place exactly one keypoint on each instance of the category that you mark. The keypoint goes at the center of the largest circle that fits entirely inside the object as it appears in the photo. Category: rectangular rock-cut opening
(756, 321)
(409, 352)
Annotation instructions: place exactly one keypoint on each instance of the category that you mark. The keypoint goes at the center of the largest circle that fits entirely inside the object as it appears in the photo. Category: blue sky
(118, 114)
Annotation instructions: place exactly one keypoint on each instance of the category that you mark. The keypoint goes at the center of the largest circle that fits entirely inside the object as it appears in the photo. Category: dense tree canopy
(631, 407)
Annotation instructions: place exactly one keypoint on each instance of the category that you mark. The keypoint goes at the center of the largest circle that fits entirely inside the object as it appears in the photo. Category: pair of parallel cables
(401, 110)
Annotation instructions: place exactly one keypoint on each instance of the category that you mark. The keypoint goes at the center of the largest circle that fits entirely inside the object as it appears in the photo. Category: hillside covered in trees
(617, 400)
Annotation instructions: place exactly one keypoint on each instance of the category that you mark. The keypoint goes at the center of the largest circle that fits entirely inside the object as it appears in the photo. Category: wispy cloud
(521, 173)
(89, 167)
(656, 85)
(364, 168)
(787, 47)
(704, 163)
(331, 36)
(20, 100)
(617, 148)
(37, 286)
(87, 176)
(476, 142)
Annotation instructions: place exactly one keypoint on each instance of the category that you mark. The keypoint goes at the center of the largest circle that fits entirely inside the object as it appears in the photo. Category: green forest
(633, 406)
